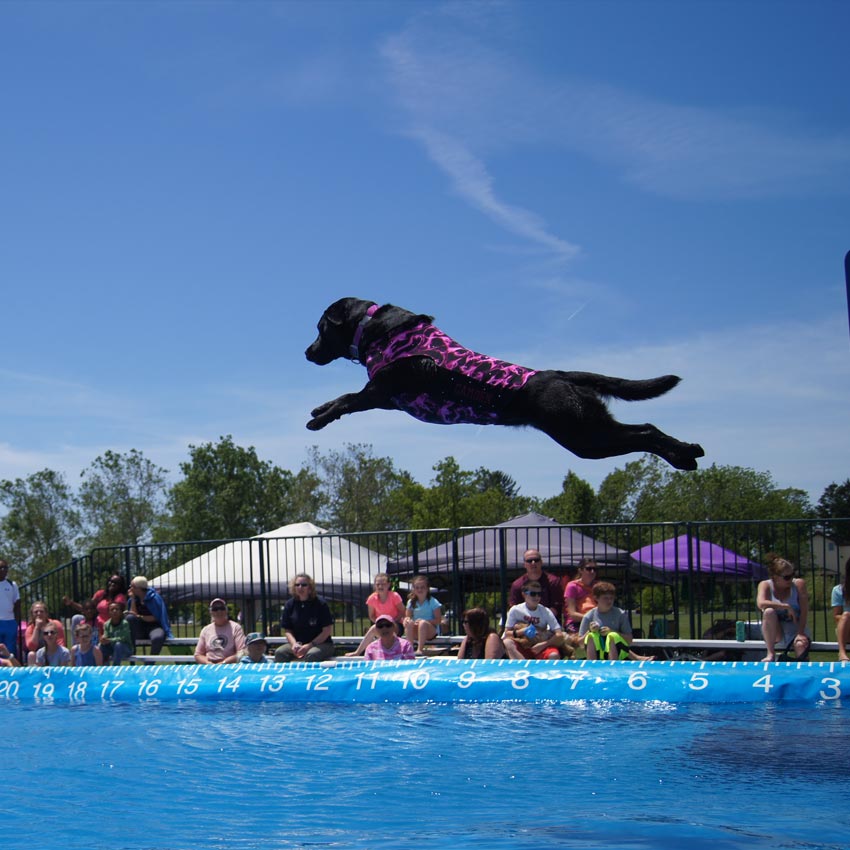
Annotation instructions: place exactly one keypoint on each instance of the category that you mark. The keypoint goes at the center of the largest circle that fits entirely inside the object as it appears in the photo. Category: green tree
(835, 504)
(576, 503)
(41, 523)
(460, 497)
(359, 492)
(227, 491)
(649, 491)
(630, 494)
(727, 493)
(121, 499)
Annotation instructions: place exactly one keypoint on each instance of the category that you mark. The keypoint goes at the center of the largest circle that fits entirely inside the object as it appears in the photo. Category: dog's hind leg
(610, 439)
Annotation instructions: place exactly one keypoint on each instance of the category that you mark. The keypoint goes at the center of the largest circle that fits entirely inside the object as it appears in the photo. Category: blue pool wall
(433, 680)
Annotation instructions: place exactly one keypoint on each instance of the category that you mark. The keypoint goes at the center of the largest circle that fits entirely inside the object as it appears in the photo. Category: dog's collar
(354, 349)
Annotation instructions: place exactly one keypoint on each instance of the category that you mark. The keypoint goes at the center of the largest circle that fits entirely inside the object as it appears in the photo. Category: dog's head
(337, 329)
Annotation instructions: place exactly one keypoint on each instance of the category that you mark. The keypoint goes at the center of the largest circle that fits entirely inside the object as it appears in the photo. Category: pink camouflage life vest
(478, 381)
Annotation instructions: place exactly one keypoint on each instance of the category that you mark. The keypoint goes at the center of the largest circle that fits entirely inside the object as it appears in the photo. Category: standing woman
(424, 614)
(784, 603)
(480, 639)
(841, 613)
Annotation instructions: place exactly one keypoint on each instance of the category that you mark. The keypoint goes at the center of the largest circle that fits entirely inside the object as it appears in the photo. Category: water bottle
(530, 631)
(740, 630)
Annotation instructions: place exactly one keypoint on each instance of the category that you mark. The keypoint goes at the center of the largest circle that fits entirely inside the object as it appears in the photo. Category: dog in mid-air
(415, 367)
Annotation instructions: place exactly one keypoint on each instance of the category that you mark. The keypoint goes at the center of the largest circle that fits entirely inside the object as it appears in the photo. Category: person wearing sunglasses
(784, 604)
(553, 593)
(222, 641)
(307, 622)
(147, 615)
(531, 629)
(389, 646)
(578, 595)
(52, 654)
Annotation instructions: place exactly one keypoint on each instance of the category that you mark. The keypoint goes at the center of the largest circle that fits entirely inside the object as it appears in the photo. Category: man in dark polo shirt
(552, 595)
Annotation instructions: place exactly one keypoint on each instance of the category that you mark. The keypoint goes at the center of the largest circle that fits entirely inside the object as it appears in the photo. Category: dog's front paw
(316, 412)
(316, 424)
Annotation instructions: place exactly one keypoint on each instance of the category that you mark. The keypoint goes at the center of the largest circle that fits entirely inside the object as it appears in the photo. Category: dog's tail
(624, 388)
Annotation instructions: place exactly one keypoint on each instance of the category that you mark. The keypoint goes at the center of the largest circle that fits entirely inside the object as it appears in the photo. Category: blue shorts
(9, 635)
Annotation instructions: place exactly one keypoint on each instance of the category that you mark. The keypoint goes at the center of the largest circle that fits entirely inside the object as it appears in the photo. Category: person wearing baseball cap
(389, 646)
(222, 641)
(256, 648)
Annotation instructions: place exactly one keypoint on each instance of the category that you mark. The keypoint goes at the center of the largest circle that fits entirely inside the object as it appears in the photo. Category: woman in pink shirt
(389, 646)
(382, 601)
(578, 595)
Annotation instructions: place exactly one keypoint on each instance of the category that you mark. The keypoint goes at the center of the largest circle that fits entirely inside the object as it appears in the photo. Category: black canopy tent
(498, 551)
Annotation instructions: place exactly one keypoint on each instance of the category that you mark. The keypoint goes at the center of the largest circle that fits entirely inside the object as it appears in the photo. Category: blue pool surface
(245, 775)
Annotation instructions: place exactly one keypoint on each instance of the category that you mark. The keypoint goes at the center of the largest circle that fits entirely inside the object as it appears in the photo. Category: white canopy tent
(263, 566)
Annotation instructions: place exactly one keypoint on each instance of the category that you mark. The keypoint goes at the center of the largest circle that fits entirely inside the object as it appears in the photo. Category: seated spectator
(52, 654)
(256, 647)
(222, 641)
(784, 604)
(578, 595)
(552, 593)
(39, 620)
(382, 601)
(480, 639)
(531, 629)
(841, 613)
(85, 653)
(115, 591)
(389, 646)
(307, 622)
(424, 614)
(88, 614)
(7, 659)
(147, 615)
(116, 645)
(606, 629)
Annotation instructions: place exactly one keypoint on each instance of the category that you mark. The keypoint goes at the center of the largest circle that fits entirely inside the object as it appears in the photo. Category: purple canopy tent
(709, 559)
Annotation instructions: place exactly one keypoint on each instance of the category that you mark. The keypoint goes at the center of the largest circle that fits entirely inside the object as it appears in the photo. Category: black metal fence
(711, 574)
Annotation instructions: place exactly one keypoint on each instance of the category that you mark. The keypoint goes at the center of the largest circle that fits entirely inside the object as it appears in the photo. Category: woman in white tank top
(784, 603)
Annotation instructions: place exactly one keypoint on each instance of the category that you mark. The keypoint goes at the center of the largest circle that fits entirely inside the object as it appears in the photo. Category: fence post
(456, 589)
(503, 574)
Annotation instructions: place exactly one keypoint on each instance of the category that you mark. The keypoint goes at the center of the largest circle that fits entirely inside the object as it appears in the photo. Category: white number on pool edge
(834, 686)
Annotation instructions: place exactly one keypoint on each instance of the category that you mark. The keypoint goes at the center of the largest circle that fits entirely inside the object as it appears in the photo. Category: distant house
(827, 555)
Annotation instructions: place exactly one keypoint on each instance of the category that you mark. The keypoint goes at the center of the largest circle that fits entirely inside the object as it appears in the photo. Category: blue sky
(633, 188)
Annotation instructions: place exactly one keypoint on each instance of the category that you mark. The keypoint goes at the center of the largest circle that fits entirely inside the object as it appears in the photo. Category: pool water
(251, 775)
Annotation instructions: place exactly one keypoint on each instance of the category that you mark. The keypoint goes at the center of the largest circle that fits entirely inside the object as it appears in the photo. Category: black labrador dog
(414, 367)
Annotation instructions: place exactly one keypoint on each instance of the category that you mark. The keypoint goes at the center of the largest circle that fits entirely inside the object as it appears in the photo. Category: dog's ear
(335, 314)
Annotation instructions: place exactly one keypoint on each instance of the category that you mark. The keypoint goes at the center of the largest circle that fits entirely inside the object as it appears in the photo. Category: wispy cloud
(455, 82)
(420, 80)
(472, 182)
